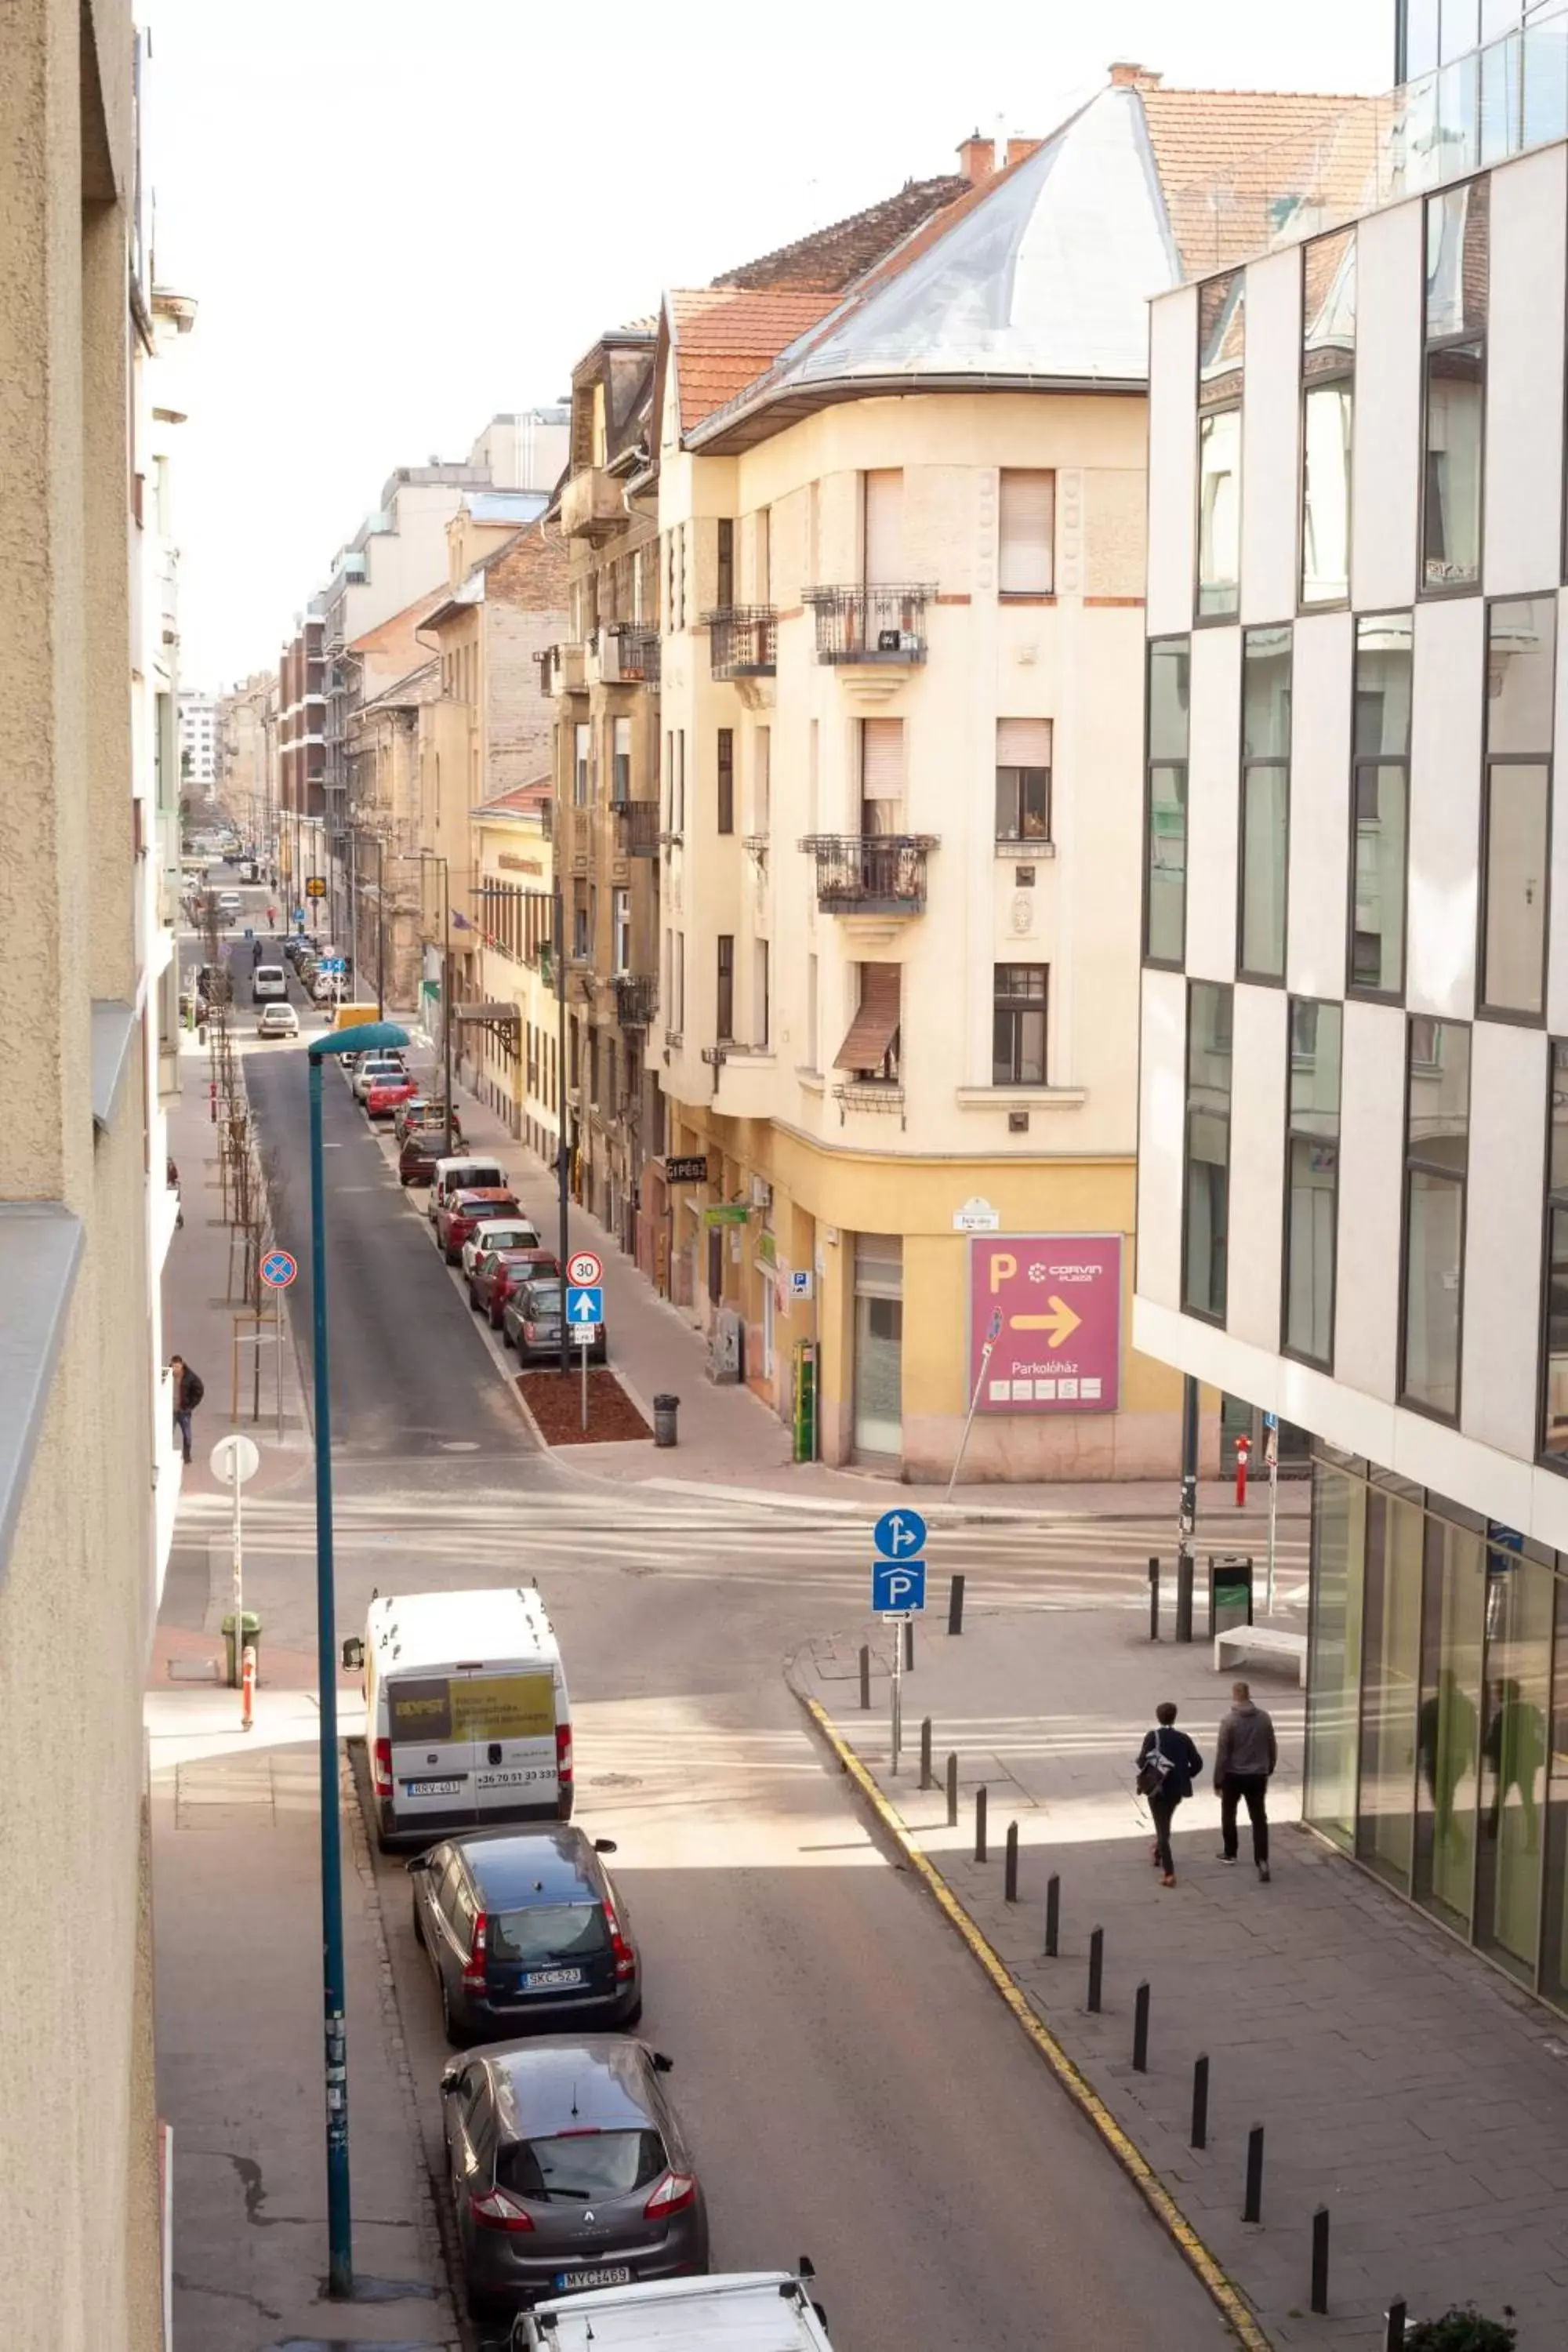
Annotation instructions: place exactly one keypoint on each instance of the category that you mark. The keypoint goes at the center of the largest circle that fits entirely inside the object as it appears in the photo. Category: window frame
(724, 795)
(1409, 1166)
(724, 988)
(1016, 1006)
(1357, 992)
(1203, 1314)
(1294, 1134)
(1030, 595)
(1427, 347)
(1151, 961)
(1544, 760)
(1272, 759)
(1332, 378)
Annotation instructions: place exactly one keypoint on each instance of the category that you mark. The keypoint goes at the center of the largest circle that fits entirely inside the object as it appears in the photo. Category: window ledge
(1020, 1097)
(1023, 853)
(40, 1250)
(812, 1080)
(113, 1026)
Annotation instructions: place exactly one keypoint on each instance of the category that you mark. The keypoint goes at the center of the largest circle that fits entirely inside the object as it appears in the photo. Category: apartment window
(1026, 533)
(1221, 347)
(882, 775)
(1165, 800)
(669, 775)
(1265, 799)
(679, 827)
(870, 1047)
(763, 555)
(621, 919)
(1022, 779)
(1019, 1024)
(814, 776)
(581, 924)
(812, 1046)
(681, 983)
(760, 1011)
(1437, 1155)
(1312, 1179)
(1206, 1174)
(582, 761)
(1380, 803)
(724, 1016)
(1456, 270)
(1521, 636)
(621, 760)
(882, 517)
(1328, 410)
(671, 1023)
(724, 581)
(726, 780)
(763, 783)
(1554, 1404)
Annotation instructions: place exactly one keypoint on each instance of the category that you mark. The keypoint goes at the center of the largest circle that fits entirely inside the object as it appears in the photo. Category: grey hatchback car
(524, 1929)
(568, 2169)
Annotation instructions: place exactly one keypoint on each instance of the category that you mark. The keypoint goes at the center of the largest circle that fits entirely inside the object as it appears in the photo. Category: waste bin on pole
(250, 1639)
(664, 1409)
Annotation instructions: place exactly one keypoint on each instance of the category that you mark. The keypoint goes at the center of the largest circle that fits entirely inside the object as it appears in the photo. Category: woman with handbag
(1168, 1764)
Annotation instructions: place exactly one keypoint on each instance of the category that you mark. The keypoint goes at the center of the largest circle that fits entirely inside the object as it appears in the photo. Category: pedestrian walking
(189, 1390)
(1168, 1764)
(1244, 1758)
(272, 919)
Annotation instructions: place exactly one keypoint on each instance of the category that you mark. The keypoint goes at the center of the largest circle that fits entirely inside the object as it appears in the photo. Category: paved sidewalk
(1402, 2082)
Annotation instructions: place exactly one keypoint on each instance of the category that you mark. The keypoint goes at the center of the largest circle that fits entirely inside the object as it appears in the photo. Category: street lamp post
(340, 2219)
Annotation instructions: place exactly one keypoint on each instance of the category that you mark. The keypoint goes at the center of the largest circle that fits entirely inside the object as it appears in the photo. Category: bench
(1258, 1641)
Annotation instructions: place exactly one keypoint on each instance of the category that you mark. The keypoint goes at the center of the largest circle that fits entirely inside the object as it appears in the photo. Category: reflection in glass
(1206, 1175)
(1264, 821)
(1544, 99)
(1326, 493)
(1312, 1179)
(1521, 646)
(1500, 68)
(1513, 970)
(1520, 1603)
(1554, 1941)
(1334, 1679)
(1448, 1729)
(1170, 677)
(1219, 511)
(1451, 506)
(1391, 1650)
(1554, 1432)
(1377, 942)
(1434, 1211)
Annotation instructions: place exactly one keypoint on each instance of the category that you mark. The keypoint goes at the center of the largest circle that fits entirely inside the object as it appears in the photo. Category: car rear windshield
(549, 1931)
(545, 1298)
(580, 2165)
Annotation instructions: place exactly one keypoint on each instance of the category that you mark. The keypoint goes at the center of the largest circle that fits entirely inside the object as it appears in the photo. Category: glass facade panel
(1435, 1209)
(1457, 228)
(1554, 1940)
(1544, 76)
(1165, 872)
(1421, 47)
(1206, 1174)
(1264, 806)
(1391, 1655)
(1514, 904)
(1554, 1401)
(1518, 1608)
(1219, 513)
(1452, 1620)
(1377, 928)
(1313, 1170)
(1333, 1677)
(1328, 372)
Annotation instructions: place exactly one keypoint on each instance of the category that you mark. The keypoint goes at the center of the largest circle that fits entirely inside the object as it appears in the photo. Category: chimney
(1125, 76)
(977, 158)
(1018, 148)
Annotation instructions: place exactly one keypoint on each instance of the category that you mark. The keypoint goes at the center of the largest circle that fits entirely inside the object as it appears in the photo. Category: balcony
(871, 627)
(592, 506)
(627, 654)
(743, 641)
(639, 821)
(637, 999)
(882, 874)
(561, 671)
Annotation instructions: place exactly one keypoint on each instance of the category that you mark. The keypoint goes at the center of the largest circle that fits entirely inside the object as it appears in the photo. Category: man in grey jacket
(1244, 1759)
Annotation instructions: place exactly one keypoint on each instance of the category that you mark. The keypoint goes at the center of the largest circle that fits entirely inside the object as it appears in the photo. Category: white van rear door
(433, 1757)
(509, 1715)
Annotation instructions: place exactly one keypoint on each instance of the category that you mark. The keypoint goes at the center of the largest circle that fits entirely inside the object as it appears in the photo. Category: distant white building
(199, 740)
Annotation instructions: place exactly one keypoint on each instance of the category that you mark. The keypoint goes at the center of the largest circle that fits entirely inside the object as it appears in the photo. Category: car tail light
(474, 1966)
(673, 2194)
(626, 1958)
(496, 2211)
(563, 1755)
(384, 1767)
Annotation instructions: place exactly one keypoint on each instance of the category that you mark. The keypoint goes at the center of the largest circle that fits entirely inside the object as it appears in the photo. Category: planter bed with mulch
(556, 1404)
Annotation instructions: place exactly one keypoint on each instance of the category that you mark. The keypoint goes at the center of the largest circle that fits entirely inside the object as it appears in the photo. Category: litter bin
(664, 1409)
(252, 1635)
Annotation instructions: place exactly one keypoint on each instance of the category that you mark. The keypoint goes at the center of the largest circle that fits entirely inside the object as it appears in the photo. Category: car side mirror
(353, 1654)
(449, 2081)
(661, 2064)
(606, 1845)
(416, 1863)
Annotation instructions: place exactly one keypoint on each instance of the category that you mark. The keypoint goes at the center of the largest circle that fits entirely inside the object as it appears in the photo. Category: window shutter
(882, 759)
(885, 526)
(1022, 743)
(875, 1023)
(1029, 508)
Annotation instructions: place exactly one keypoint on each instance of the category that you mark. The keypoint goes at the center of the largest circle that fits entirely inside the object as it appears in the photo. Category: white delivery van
(467, 1718)
(743, 2311)
(462, 1175)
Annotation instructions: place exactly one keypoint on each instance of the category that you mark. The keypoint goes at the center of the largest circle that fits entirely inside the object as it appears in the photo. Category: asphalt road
(854, 2090)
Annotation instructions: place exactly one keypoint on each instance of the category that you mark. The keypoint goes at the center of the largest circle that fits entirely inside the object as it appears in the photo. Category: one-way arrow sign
(586, 1305)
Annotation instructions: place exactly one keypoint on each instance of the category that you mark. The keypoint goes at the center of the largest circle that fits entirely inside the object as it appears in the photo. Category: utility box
(1231, 1590)
(727, 1350)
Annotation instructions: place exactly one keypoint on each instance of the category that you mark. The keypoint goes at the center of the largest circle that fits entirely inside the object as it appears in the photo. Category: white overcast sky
(399, 217)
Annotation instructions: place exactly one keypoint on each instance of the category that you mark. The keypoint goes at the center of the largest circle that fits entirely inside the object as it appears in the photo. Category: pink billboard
(1049, 1305)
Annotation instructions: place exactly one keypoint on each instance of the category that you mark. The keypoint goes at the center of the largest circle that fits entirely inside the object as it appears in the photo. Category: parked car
(460, 1173)
(278, 1021)
(524, 1929)
(295, 945)
(530, 1322)
(703, 2314)
(421, 1154)
(386, 1089)
(460, 1212)
(500, 1272)
(384, 1062)
(541, 2134)
(421, 1113)
(229, 902)
(268, 980)
(499, 1233)
(324, 986)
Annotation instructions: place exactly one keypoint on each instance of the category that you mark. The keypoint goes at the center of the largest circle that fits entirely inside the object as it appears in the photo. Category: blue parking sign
(898, 1586)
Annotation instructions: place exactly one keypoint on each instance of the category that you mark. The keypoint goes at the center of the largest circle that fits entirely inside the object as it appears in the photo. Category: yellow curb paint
(1131, 2158)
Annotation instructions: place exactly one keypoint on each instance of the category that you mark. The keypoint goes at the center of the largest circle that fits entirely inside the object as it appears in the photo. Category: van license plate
(432, 1788)
(552, 1980)
(612, 2274)
(523, 1775)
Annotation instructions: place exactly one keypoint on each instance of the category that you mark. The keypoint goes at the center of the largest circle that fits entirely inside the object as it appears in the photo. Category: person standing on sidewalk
(1244, 1758)
(189, 1390)
(1168, 1764)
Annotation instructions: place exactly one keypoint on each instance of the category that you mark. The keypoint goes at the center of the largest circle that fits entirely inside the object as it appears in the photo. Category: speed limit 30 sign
(584, 1269)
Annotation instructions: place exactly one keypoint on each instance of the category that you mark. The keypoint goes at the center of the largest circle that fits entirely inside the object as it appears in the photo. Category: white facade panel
(1503, 1230)
(1259, 1060)
(1319, 805)
(1162, 1112)
(1386, 461)
(1213, 802)
(1371, 1151)
(1448, 703)
(1270, 427)
(1524, 375)
(1172, 460)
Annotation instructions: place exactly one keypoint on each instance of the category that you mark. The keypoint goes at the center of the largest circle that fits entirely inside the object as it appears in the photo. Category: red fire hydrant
(1243, 1448)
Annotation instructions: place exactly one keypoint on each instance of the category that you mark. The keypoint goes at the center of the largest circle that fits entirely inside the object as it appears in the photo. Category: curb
(1227, 2297)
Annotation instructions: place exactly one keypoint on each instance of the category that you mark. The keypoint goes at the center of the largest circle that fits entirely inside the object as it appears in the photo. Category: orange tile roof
(1235, 164)
(835, 256)
(725, 336)
(522, 800)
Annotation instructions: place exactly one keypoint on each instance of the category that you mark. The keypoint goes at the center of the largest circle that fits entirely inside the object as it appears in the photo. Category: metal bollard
(981, 1801)
(926, 1779)
(1010, 1865)
(1252, 2210)
(864, 1676)
(952, 1793)
(1199, 2134)
(955, 1605)
(1184, 1597)
(1154, 1597)
(1394, 2327)
(1141, 2031)
(909, 1645)
(1320, 2259)
(1053, 1915)
(1095, 1965)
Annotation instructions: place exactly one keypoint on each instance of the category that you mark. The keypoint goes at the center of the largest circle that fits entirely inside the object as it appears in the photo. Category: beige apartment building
(88, 798)
(901, 782)
(246, 754)
(511, 1028)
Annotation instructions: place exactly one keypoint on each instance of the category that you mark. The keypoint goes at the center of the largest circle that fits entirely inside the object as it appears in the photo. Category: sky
(398, 218)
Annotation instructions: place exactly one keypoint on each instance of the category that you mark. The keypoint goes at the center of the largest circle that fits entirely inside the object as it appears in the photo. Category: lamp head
(370, 1036)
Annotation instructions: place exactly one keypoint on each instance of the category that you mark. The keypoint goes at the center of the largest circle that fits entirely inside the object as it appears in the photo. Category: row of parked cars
(305, 956)
(576, 2193)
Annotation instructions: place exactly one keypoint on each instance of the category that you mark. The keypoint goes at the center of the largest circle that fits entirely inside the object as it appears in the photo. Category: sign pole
(992, 1334)
(237, 1565)
(897, 1689)
(1271, 1446)
(583, 1351)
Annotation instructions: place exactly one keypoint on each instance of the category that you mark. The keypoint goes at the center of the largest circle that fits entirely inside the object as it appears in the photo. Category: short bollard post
(952, 1793)
(909, 1645)
(864, 1676)
(1154, 1597)
(1183, 1596)
(1199, 2134)
(1095, 1965)
(1010, 1877)
(926, 1779)
(1141, 2031)
(1320, 2259)
(955, 1605)
(1252, 2210)
(1394, 2327)
(1053, 1915)
(981, 1801)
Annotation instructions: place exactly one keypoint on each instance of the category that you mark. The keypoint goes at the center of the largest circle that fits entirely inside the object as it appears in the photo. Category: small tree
(1463, 2329)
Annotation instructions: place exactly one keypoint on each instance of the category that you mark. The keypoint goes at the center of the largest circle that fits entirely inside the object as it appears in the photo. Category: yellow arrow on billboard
(1059, 1325)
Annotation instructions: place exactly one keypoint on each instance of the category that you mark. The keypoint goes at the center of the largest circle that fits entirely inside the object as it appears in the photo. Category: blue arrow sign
(898, 1586)
(586, 1305)
(899, 1535)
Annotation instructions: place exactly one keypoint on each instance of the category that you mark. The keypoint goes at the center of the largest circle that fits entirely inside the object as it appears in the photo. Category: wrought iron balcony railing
(870, 623)
(629, 653)
(639, 826)
(743, 641)
(637, 999)
(871, 873)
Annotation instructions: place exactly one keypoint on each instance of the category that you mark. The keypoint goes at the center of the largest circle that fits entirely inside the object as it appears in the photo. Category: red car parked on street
(501, 1272)
(382, 1095)
(461, 1211)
